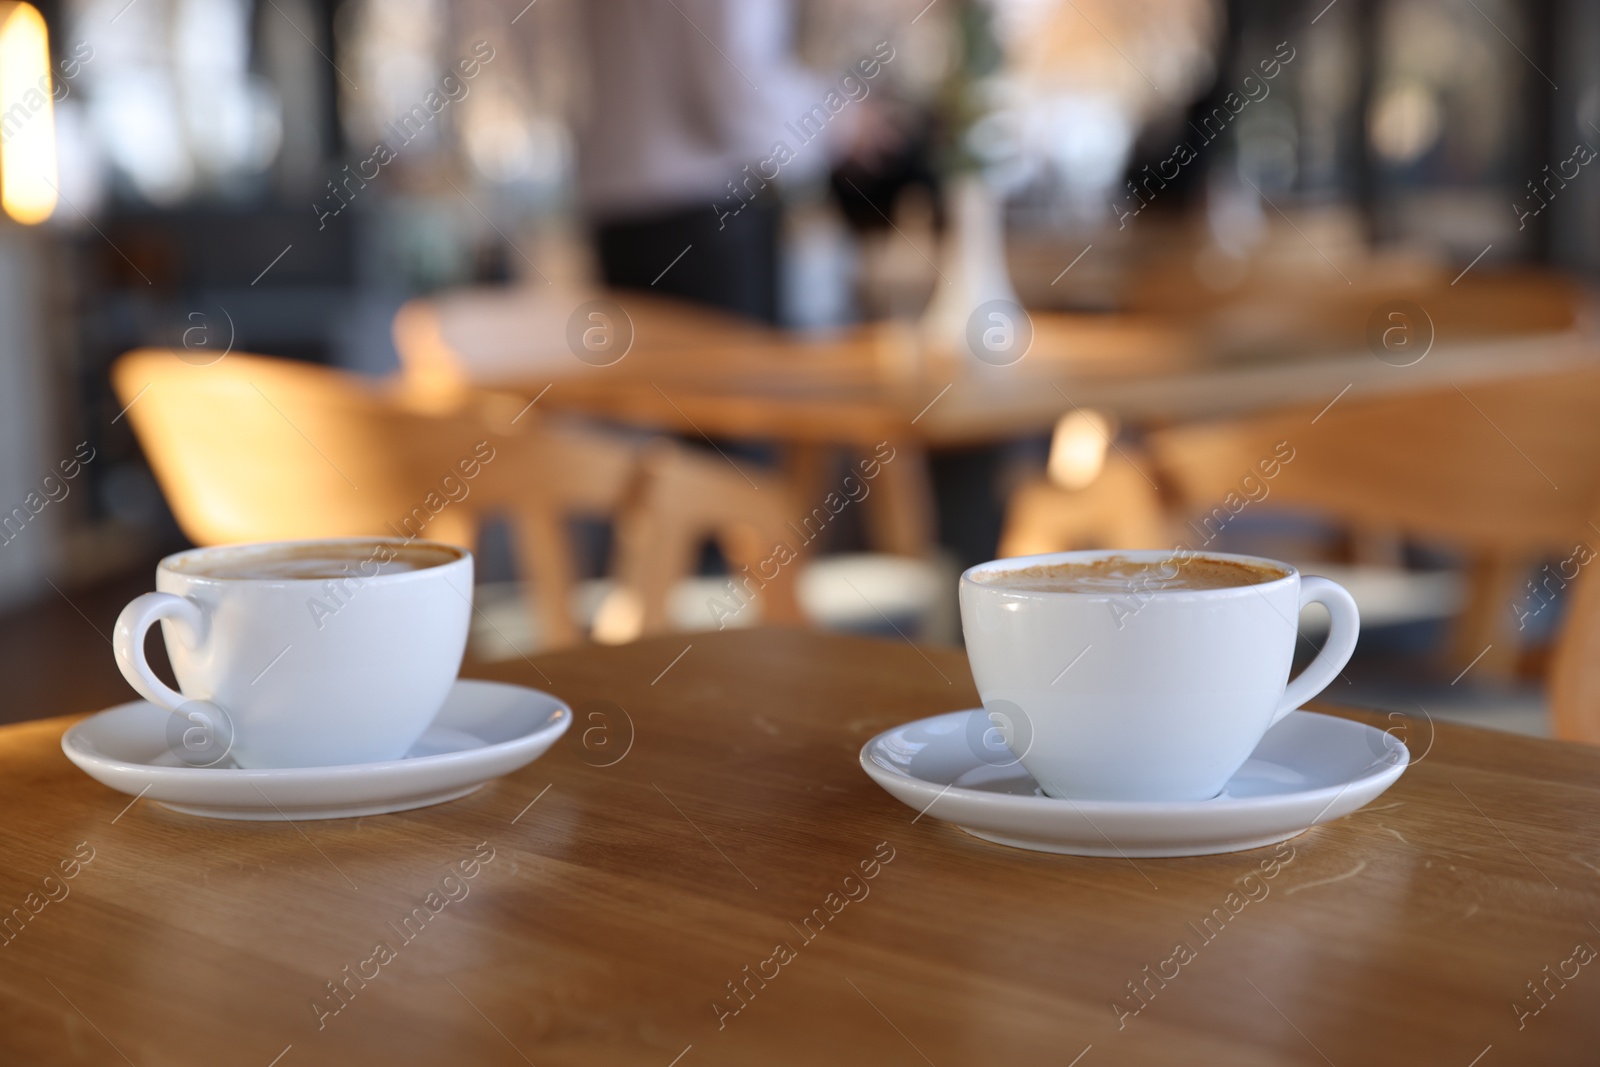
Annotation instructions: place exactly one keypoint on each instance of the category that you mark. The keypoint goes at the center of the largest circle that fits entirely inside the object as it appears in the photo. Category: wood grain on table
(697, 371)
(708, 375)
(719, 883)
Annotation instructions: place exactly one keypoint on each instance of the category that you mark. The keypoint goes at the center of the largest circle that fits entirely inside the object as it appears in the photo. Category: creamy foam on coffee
(317, 560)
(1119, 574)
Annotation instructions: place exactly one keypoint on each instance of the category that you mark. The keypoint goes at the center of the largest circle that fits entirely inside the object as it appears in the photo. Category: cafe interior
(745, 327)
(1195, 279)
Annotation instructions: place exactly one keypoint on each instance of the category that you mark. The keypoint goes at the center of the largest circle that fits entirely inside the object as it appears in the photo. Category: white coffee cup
(1148, 694)
(279, 670)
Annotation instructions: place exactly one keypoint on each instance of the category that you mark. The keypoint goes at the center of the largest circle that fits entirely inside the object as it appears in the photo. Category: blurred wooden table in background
(703, 374)
(624, 889)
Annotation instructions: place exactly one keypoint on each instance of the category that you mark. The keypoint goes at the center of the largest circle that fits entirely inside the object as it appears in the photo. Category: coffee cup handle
(127, 641)
(1336, 651)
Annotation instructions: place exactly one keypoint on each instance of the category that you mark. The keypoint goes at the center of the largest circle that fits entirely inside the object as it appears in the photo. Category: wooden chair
(452, 344)
(253, 448)
(460, 341)
(1285, 295)
(1508, 473)
(1119, 509)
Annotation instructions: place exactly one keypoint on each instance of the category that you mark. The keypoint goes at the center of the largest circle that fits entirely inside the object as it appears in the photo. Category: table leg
(1574, 686)
(899, 511)
(806, 467)
(1495, 583)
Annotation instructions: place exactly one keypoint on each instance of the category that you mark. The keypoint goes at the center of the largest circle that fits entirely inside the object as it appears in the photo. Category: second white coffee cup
(1144, 695)
(349, 666)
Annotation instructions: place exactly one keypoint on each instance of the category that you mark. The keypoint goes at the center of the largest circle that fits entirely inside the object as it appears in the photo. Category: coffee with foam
(317, 561)
(1119, 574)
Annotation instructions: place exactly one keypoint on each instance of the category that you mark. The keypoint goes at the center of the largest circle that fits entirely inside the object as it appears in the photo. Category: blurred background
(1216, 213)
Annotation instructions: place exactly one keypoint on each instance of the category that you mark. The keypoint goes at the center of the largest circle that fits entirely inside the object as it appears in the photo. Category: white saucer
(484, 730)
(1308, 769)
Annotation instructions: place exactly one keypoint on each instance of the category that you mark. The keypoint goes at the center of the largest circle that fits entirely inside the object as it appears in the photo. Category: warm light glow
(1078, 450)
(27, 117)
(620, 618)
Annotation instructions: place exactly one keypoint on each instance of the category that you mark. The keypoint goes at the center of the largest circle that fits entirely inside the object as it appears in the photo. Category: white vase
(972, 265)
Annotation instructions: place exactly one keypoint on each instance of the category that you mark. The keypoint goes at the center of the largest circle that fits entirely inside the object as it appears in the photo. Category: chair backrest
(1508, 469)
(483, 336)
(1121, 508)
(1511, 466)
(1286, 293)
(252, 448)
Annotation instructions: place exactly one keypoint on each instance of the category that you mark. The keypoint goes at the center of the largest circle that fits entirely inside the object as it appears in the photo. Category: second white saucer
(483, 731)
(1308, 769)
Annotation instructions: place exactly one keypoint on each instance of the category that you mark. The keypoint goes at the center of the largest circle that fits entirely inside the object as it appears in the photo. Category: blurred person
(694, 110)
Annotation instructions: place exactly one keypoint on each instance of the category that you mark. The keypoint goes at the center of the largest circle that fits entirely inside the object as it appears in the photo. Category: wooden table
(702, 374)
(622, 900)
(690, 369)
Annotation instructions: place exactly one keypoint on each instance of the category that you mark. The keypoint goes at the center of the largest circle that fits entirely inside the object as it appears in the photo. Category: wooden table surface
(605, 897)
(703, 374)
(696, 371)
